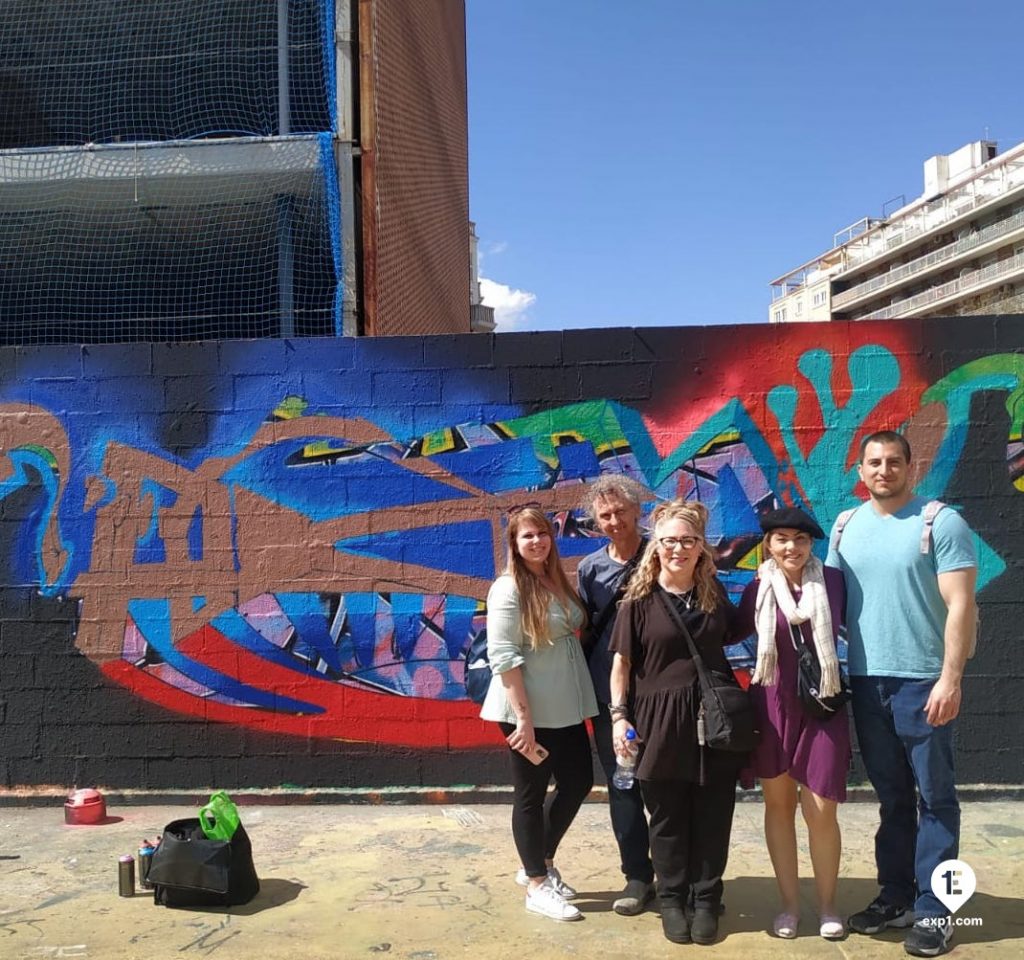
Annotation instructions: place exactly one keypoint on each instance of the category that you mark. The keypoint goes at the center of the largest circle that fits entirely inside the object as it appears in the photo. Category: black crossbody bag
(726, 719)
(808, 681)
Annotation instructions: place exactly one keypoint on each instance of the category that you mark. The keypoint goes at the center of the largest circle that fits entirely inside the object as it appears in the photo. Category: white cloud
(510, 306)
(494, 248)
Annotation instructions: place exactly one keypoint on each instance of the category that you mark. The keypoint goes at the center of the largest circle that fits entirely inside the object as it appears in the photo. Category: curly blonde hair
(534, 597)
(647, 571)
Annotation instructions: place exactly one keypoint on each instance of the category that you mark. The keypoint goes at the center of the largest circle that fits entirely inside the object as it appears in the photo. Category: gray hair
(617, 485)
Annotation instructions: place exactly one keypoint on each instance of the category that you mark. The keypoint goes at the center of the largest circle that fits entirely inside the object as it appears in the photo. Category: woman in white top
(540, 695)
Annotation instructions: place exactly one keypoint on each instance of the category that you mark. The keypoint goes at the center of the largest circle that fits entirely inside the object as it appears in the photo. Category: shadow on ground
(751, 903)
(273, 893)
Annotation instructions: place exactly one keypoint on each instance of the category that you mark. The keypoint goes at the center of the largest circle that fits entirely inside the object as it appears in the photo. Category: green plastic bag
(219, 818)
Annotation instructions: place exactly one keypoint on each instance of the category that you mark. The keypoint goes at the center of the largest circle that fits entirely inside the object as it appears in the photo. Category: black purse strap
(800, 644)
(704, 681)
(698, 660)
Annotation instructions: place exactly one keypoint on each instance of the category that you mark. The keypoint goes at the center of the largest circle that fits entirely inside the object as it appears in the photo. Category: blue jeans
(626, 807)
(910, 765)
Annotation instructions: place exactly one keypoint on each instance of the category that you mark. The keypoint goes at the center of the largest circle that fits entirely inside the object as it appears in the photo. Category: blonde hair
(646, 577)
(534, 597)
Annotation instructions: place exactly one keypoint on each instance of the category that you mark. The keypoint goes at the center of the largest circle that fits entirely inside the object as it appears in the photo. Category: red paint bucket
(85, 807)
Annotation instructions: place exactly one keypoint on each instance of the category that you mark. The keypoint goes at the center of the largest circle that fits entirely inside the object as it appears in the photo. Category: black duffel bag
(190, 870)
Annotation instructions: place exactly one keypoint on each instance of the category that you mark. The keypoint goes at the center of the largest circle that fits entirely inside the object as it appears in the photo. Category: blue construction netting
(167, 170)
(75, 72)
(178, 241)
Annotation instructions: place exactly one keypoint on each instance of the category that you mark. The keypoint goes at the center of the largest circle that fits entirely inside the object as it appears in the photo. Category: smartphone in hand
(537, 755)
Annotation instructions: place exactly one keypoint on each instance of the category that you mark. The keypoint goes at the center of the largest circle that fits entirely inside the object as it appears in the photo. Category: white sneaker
(546, 901)
(560, 887)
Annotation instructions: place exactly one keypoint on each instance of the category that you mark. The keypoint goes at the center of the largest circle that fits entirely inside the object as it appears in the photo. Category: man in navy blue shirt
(613, 503)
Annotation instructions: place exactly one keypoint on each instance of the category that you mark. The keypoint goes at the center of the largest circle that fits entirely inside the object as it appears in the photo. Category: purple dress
(815, 753)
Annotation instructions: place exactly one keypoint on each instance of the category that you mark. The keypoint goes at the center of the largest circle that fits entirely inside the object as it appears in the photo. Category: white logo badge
(954, 883)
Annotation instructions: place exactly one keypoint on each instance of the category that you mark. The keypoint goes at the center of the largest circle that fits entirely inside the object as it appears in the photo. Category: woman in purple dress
(799, 758)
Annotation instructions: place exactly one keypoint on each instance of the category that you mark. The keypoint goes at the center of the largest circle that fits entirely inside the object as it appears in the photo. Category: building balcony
(481, 318)
(974, 282)
(155, 173)
(977, 243)
(992, 187)
(183, 240)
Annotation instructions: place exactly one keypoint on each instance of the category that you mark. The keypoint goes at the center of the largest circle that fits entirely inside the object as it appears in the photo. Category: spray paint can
(126, 875)
(145, 862)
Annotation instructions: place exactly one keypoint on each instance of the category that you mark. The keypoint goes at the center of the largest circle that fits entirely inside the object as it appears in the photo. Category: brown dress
(663, 681)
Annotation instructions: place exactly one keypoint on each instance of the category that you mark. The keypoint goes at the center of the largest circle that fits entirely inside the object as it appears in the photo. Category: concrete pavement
(436, 882)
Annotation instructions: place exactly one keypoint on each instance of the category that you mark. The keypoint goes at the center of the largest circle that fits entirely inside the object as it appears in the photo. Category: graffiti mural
(317, 569)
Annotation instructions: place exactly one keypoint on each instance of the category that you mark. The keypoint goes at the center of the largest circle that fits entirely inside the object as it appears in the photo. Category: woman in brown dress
(689, 791)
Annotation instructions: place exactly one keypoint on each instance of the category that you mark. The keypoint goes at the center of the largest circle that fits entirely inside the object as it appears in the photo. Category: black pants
(540, 819)
(629, 822)
(690, 828)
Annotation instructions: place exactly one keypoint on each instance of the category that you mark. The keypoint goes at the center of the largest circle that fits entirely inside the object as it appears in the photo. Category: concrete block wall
(259, 563)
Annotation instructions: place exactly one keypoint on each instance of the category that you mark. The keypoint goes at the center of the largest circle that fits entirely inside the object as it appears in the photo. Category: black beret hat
(792, 519)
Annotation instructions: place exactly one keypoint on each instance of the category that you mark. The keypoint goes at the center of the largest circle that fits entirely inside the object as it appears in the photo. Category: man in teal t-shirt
(911, 619)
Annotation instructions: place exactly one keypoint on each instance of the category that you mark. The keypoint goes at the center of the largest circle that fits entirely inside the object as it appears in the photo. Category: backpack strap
(928, 514)
(837, 531)
(931, 510)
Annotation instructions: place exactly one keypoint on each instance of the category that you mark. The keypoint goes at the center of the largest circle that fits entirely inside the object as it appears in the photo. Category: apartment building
(958, 249)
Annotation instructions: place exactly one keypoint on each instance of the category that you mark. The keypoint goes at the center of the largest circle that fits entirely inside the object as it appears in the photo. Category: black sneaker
(878, 915)
(929, 937)
(635, 897)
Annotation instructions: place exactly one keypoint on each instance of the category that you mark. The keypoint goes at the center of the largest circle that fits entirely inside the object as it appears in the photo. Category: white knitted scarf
(773, 593)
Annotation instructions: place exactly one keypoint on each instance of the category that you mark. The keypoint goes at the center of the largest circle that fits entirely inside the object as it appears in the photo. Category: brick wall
(415, 167)
(257, 563)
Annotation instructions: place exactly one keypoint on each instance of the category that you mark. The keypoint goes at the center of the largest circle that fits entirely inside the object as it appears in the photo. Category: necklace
(686, 596)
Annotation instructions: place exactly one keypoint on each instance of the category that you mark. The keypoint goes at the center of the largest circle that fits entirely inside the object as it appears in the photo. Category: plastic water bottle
(625, 765)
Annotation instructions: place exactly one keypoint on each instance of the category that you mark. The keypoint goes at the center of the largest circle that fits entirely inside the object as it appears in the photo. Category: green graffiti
(43, 453)
(595, 421)
(1002, 371)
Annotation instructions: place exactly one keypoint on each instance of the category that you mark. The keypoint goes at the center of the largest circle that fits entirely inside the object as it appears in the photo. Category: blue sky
(659, 162)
